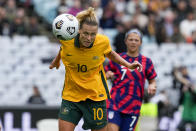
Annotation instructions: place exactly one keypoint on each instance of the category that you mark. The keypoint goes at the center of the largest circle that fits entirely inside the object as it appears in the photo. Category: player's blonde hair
(87, 16)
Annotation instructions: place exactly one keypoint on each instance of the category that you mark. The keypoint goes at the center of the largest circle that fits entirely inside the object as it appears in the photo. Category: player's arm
(118, 59)
(152, 87)
(56, 61)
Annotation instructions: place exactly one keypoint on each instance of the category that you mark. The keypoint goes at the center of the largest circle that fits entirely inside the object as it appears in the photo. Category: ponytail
(88, 17)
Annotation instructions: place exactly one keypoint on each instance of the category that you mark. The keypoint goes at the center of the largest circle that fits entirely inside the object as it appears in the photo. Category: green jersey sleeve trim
(105, 84)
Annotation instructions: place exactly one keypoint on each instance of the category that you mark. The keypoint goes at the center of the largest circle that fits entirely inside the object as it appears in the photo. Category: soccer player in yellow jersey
(85, 90)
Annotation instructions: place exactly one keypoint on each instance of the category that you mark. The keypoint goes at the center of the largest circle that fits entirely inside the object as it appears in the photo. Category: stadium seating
(22, 67)
(170, 55)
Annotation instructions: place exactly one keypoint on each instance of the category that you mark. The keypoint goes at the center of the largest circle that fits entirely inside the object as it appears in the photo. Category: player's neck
(133, 54)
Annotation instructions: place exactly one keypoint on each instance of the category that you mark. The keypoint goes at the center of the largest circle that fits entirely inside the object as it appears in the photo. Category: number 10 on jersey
(82, 68)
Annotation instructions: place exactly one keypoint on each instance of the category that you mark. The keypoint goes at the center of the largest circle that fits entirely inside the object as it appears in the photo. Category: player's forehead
(134, 32)
(89, 28)
(133, 36)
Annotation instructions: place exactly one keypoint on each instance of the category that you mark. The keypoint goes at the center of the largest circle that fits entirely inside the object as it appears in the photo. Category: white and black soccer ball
(65, 27)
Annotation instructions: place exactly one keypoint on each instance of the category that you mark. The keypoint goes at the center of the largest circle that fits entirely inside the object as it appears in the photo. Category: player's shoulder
(146, 58)
(64, 42)
(102, 37)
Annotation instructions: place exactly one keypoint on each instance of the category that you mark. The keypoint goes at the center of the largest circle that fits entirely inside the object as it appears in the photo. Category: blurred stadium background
(27, 47)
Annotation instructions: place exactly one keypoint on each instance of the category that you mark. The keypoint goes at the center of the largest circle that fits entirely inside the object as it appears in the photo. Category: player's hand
(135, 65)
(152, 90)
(109, 75)
(54, 64)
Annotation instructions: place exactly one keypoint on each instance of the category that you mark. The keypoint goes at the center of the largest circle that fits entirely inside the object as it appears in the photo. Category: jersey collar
(77, 44)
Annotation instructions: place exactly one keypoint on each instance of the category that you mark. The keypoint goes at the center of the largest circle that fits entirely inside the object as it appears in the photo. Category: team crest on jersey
(70, 17)
(59, 24)
(95, 57)
(71, 30)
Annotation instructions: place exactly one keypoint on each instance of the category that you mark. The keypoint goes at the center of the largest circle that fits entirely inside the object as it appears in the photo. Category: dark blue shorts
(126, 122)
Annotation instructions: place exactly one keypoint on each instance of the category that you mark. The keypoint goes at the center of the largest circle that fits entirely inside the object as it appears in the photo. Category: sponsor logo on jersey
(101, 95)
(68, 54)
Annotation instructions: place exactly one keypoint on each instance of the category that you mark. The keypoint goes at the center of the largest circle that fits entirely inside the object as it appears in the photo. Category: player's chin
(132, 48)
(153, 93)
(87, 44)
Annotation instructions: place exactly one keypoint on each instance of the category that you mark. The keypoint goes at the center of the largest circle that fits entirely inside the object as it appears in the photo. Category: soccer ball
(65, 27)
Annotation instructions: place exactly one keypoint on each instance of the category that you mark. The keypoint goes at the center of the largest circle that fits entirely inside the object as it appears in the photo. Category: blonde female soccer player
(85, 90)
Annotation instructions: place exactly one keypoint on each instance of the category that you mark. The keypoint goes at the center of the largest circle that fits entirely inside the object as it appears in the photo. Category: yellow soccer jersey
(85, 76)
